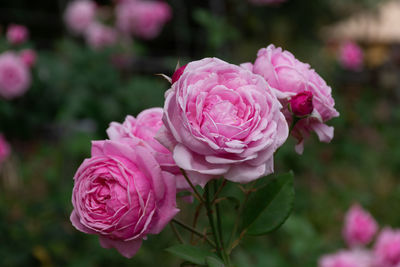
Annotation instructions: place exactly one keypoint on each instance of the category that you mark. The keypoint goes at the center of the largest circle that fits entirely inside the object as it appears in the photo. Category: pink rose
(4, 149)
(144, 19)
(15, 77)
(121, 195)
(99, 36)
(301, 104)
(387, 248)
(351, 56)
(145, 127)
(79, 15)
(288, 77)
(359, 227)
(17, 34)
(222, 120)
(345, 258)
(267, 2)
(28, 56)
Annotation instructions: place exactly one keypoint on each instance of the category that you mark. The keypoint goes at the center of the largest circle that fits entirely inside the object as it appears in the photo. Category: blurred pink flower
(4, 149)
(288, 76)
(351, 56)
(347, 258)
(28, 56)
(17, 34)
(267, 2)
(79, 15)
(387, 248)
(100, 36)
(144, 19)
(121, 195)
(15, 77)
(359, 227)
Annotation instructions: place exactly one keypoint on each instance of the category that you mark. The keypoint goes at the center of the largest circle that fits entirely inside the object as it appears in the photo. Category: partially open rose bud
(301, 104)
(178, 74)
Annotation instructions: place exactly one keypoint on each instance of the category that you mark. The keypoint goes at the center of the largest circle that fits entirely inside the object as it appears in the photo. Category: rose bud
(122, 195)
(177, 74)
(359, 227)
(301, 104)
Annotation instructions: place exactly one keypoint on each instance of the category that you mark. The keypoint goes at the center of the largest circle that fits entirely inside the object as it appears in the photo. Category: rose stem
(177, 235)
(194, 231)
(196, 193)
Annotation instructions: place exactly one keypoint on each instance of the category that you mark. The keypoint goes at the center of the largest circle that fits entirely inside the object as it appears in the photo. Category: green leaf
(269, 206)
(214, 262)
(190, 253)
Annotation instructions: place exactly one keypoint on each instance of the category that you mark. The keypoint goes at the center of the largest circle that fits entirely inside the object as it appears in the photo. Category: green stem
(194, 231)
(196, 193)
(211, 218)
(177, 235)
(225, 256)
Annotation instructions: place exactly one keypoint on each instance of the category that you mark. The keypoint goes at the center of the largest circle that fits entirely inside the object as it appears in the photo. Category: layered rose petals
(122, 195)
(288, 77)
(222, 120)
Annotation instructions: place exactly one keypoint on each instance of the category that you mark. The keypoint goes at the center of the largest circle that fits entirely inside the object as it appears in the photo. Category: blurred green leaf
(190, 253)
(269, 206)
(214, 262)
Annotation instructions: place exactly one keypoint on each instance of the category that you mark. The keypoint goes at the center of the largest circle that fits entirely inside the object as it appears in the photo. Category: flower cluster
(218, 120)
(140, 18)
(351, 56)
(359, 230)
(15, 73)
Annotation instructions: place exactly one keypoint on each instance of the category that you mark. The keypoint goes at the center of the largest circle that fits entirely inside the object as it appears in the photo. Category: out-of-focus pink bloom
(267, 2)
(4, 149)
(100, 36)
(144, 19)
(351, 56)
(79, 15)
(28, 56)
(359, 227)
(288, 76)
(15, 77)
(301, 104)
(347, 258)
(17, 34)
(387, 249)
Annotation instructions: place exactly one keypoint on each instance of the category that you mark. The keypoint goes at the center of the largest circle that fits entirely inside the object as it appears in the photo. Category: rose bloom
(4, 149)
(79, 15)
(99, 36)
(222, 120)
(347, 258)
(387, 248)
(121, 195)
(351, 56)
(267, 2)
(17, 34)
(288, 77)
(144, 19)
(28, 56)
(15, 77)
(359, 227)
(145, 127)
